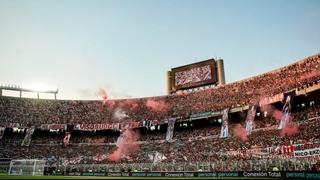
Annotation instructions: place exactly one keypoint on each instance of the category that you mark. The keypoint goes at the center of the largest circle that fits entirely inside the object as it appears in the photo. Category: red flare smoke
(157, 105)
(127, 146)
(131, 103)
(116, 155)
(240, 132)
(181, 93)
(111, 103)
(290, 130)
(275, 113)
(103, 94)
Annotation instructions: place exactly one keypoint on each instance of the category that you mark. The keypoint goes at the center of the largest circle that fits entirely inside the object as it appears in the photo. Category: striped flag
(224, 128)
(250, 118)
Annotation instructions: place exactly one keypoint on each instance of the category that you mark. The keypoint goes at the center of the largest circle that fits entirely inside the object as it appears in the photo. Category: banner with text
(92, 127)
(307, 152)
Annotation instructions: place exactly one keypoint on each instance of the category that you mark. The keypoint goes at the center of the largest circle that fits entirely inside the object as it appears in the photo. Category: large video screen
(194, 75)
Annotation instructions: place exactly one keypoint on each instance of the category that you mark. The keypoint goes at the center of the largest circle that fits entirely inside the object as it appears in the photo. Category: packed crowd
(181, 151)
(190, 145)
(186, 131)
(246, 92)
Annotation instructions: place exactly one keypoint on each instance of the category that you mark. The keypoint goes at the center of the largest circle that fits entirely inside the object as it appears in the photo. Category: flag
(170, 129)
(66, 139)
(2, 129)
(224, 128)
(27, 138)
(119, 140)
(286, 110)
(250, 118)
(151, 157)
(158, 157)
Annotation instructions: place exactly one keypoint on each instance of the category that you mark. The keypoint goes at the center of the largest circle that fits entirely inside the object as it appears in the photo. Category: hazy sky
(127, 46)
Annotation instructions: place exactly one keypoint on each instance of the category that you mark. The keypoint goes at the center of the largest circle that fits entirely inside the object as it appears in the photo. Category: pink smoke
(240, 132)
(181, 93)
(116, 155)
(127, 146)
(111, 103)
(157, 105)
(275, 113)
(131, 103)
(103, 94)
(290, 130)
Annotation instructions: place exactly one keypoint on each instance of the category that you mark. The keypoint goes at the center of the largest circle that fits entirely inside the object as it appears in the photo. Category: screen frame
(213, 79)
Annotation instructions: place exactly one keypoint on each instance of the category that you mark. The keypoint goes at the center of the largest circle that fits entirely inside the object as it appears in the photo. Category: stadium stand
(196, 143)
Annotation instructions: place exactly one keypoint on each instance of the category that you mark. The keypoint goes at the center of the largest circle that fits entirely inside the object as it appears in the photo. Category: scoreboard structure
(208, 72)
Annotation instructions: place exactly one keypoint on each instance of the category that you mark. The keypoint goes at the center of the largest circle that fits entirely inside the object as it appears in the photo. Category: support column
(220, 73)
(169, 82)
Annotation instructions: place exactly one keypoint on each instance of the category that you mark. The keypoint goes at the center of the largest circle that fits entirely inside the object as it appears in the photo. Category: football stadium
(263, 124)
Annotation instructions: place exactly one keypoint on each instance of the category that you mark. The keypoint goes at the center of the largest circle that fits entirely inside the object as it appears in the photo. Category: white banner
(2, 129)
(224, 127)
(27, 138)
(250, 118)
(307, 152)
(285, 119)
(170, 129)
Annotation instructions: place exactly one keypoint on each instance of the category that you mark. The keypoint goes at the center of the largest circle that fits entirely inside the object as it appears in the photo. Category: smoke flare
(103, 94)
(240, 132)
(157, 105)
(290, 130)
(119, 114)
(127, 145)
(181, 93)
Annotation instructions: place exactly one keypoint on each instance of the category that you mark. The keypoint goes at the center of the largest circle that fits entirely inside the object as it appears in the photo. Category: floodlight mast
(20, 89)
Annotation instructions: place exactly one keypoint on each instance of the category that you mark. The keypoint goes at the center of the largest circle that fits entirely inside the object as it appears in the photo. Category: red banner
(287, 150)
(270, 100)
(91, 127)
(131, 125)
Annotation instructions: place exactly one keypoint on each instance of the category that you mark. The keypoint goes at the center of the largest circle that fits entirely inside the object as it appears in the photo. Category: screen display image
(194, 75)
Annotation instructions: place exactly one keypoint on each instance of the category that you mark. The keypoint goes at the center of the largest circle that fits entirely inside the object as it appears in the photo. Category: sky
(126, 46)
